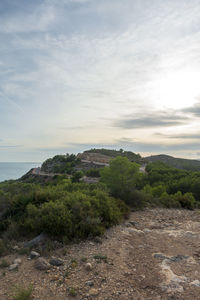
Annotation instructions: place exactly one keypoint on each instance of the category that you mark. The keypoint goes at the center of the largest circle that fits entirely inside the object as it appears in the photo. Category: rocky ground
(153, 255)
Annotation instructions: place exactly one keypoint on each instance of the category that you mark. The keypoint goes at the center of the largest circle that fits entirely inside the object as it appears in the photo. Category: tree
(121, 176)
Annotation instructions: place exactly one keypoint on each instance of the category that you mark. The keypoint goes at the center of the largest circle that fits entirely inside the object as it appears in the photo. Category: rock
(195, 283)
(36, 241)
(17, 261)
(56, 261)
(146, 230)
(13, 267)
(89, 283)
(16, 248)
(93, 292)
(128, 224)
(88, 267)
(42, 264)
(34, 254)
(160, 256)
(133, 223)
(132, 230)
(178, 258)
(171, 259)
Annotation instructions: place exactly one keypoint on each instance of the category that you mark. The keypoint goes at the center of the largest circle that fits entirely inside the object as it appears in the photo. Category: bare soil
(153, 255)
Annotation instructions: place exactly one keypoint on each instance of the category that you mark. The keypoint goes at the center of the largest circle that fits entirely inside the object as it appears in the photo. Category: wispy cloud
(156, 119)
(37, 20)
(190, 136)
(10, 146)
(195, 110)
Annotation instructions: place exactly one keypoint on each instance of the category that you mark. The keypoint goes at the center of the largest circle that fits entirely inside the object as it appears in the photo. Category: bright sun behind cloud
(177, 90)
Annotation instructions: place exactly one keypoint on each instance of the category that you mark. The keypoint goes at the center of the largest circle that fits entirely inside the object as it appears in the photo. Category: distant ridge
(179, 163)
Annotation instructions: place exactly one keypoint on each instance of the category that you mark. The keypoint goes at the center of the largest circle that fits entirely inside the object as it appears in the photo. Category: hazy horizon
(81, 74)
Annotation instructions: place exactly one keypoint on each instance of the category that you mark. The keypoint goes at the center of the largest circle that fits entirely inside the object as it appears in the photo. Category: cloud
(65, 2)
(10, 146)
(190, 136)
(158, 146)
(147, 120)
(37, 20)
(195, 110)
(69, 63)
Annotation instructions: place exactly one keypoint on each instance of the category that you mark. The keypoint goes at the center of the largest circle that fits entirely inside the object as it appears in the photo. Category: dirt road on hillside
(153, 255)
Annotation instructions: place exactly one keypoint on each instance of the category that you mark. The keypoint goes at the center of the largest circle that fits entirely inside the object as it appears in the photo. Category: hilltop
(179, 163)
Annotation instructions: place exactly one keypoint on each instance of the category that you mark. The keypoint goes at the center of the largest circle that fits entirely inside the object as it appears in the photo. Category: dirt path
(154, 255)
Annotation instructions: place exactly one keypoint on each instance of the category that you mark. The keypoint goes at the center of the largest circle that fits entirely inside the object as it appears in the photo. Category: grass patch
(23, 293)
(24, 251)
(74, 263)
(66, 274)
(83, 259)
(2, 248)
(64, 251)
(72, 292)
(4, 264)
(100, 257)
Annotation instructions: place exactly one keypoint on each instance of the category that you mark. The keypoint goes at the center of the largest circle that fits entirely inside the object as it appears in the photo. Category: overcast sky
(76, 74)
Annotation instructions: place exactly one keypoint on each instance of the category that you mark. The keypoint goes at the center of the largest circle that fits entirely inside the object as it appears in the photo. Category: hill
(114, 153)
(179, 163)
(88, 160)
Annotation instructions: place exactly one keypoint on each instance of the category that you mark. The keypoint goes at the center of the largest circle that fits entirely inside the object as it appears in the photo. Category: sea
(14, 170)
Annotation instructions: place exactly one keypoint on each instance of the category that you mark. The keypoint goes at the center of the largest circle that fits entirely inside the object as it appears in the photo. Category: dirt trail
(153, 255)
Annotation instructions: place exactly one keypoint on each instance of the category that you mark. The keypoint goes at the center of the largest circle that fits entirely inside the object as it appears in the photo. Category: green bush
(93, 172)
(22, 293)
(186, 201)
(52, 217)
(76, 214)
(4, 264)
(169, 201)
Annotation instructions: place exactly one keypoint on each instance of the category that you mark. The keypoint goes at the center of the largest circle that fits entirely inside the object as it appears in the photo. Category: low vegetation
(22, 293)
(61, 164)
(67, 209)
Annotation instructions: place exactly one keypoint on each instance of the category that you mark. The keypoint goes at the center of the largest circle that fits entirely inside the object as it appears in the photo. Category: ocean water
(15, 170)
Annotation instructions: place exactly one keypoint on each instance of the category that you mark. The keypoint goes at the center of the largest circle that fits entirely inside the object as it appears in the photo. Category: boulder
(56, 261)
(93, 292)
(42, 264)
(34, 254)
(36, 241)
(13, 267)
(88, 267)
(17, 261)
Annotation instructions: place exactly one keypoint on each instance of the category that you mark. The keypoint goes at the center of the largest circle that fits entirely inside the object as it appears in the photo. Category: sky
(81, 74)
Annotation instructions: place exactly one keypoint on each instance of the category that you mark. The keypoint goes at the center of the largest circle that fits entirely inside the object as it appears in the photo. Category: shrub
(76, 214)
(4, 264)
(52, 217)
(169, 201)
(93, 172)
(186, 201)
(72, 292)
(23, 293)
(3, 248)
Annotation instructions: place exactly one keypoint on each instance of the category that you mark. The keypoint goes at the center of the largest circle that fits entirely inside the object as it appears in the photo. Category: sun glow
(177, 90)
